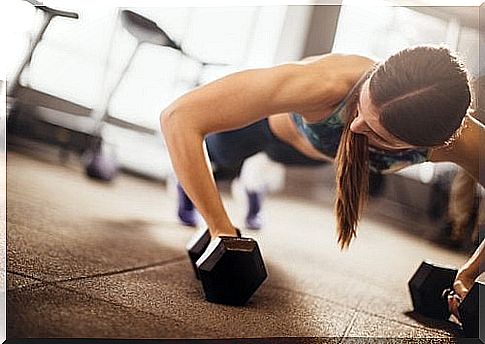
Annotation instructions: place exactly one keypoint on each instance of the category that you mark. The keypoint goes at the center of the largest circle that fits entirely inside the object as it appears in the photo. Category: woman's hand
(463, 282)
(465, 278)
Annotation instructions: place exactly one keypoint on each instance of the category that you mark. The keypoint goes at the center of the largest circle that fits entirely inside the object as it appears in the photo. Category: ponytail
(352, 176)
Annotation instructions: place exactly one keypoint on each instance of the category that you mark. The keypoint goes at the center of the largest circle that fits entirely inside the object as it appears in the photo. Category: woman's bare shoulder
(327, 79)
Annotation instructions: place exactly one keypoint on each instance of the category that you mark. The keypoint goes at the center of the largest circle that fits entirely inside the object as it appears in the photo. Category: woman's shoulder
(327, 80)
(340, 67)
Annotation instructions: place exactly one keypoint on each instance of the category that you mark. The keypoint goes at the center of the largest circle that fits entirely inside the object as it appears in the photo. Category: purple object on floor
(187, 213)
(253, 218)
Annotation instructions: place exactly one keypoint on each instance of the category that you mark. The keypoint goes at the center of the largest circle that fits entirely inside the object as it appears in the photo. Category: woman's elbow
(166, 117)
(178, 126)
(171, 122)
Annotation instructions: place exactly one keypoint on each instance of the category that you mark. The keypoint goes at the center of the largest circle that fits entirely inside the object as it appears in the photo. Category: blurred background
(95, 85)
(86, 85)
(93, 81)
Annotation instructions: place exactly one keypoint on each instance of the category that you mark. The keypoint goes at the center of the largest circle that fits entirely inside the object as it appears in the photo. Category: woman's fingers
(453, 303)
(461, 287)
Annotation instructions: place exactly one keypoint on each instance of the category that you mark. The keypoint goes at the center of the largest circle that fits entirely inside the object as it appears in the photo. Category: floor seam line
(37, 282)
(123, 271)
(349, 326)
(103, 274)
(23, 275)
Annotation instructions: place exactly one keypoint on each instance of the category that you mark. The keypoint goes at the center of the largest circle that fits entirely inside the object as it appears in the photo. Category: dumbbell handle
(214, 243)
(198, 245)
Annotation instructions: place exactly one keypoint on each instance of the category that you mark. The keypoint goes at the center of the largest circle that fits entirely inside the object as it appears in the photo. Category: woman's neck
(465, 150)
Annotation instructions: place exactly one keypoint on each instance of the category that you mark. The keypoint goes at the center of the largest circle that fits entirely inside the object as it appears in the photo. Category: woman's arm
(466, 276)
(467, 152)
(475, 265)
(228, 103)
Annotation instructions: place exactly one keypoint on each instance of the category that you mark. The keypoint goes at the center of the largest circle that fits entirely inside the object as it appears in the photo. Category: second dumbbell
(430, 286)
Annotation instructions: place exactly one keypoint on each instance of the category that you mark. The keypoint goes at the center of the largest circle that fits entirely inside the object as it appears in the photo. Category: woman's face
(367, 123)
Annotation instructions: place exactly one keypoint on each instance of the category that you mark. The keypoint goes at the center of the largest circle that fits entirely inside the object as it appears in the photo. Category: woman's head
(417, 97)
(367, 122)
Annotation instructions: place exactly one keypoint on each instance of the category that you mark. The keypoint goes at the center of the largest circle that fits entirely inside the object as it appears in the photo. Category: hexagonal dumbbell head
(231, 270)
(469, 310)
(427, 286)
(197, 245)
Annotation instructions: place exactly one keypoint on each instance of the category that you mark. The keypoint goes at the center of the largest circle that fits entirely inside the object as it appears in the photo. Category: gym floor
(94, 260)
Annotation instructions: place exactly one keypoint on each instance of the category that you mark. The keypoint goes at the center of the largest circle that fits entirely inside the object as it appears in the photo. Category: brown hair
(422, 95)
(352, 169)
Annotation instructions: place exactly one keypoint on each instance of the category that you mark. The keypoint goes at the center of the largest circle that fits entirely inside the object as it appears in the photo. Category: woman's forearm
(191, 166)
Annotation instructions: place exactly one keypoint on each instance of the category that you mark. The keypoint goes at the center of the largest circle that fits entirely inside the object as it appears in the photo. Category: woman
(409, 109)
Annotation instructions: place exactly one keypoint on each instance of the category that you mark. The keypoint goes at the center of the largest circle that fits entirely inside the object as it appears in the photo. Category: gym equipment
(20, 95)
(231, 269)
(49, 14)
(85, 138)
(99, 165)
(146, 32)
(426, 288)
(430, 287)
(23, 99)
(198, 244)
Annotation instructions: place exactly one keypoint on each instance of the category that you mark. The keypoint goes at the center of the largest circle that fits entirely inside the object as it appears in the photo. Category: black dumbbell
(231, 269)
(430, 287)
(469, 310)
(427, 286)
